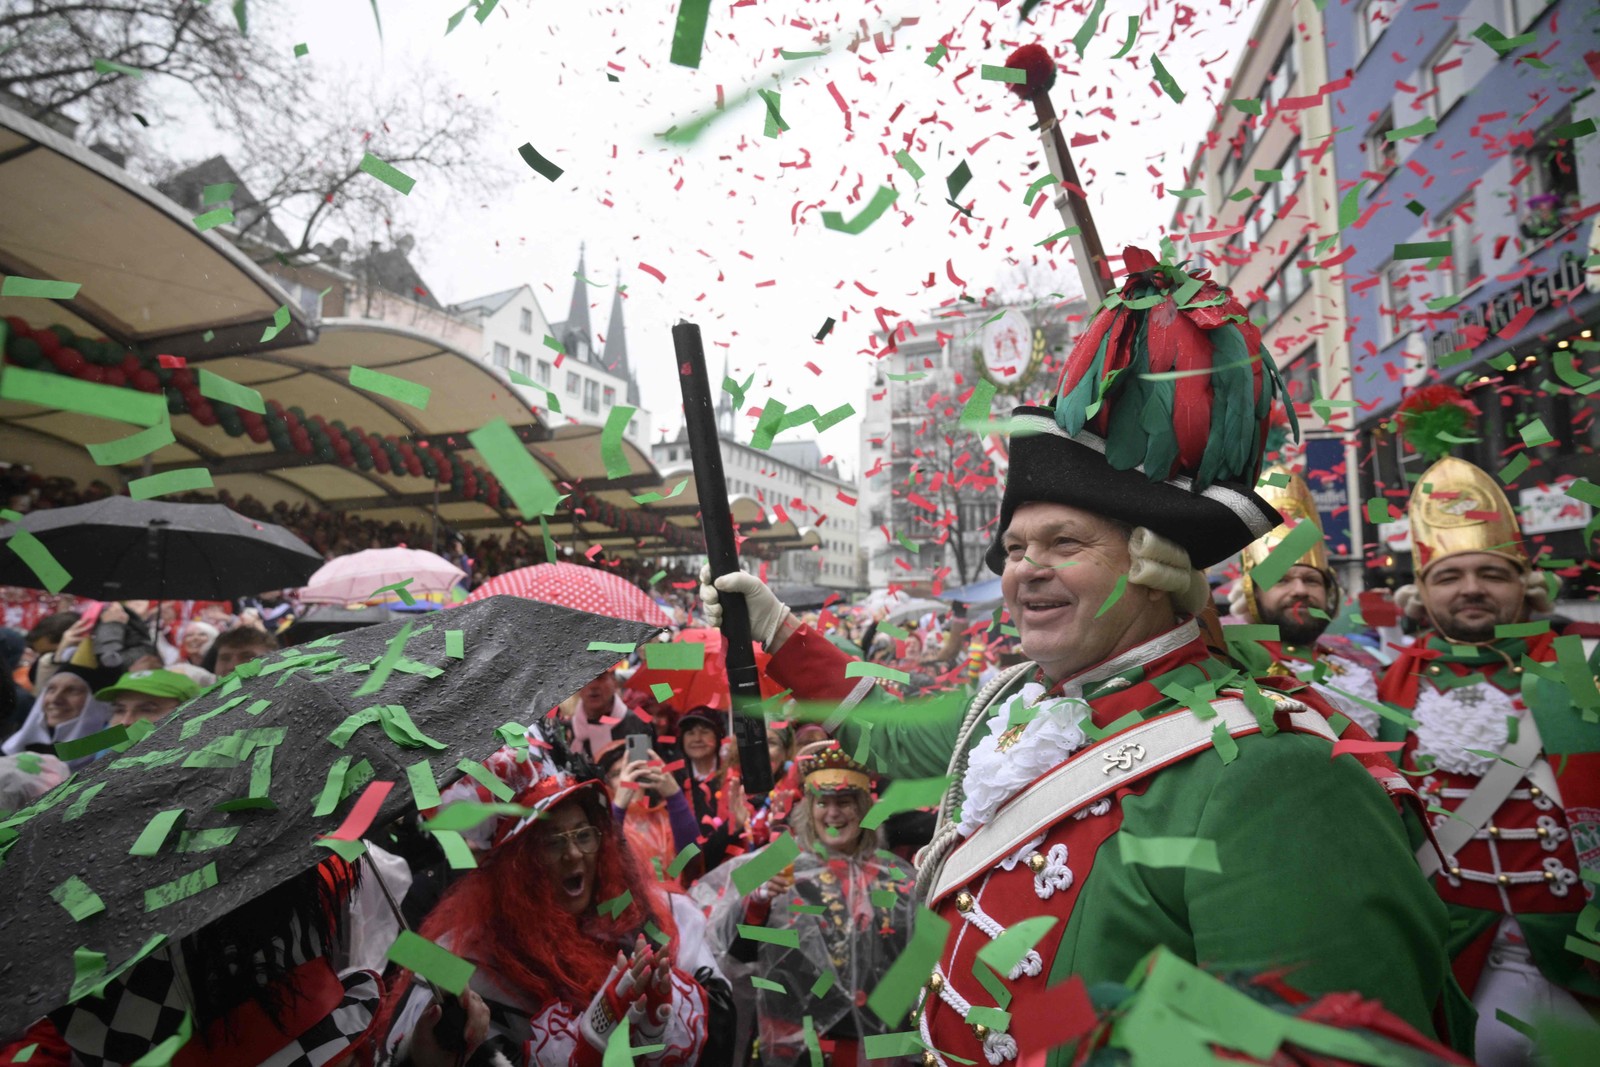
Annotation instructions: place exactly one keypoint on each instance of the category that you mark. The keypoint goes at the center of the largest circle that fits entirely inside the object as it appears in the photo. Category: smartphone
(91, 614)
(637, 747)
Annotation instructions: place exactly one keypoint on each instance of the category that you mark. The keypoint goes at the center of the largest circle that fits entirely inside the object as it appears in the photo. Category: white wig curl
(1158, 563)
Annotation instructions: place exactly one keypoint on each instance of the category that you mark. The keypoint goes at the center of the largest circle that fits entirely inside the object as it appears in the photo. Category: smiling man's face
(1062, 566)
(1470, 594)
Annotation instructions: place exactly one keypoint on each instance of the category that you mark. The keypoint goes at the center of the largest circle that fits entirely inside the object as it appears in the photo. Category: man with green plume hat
(1127, 782)
(1504, 741)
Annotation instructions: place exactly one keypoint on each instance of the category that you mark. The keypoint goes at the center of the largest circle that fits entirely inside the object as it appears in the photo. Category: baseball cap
(168, 684)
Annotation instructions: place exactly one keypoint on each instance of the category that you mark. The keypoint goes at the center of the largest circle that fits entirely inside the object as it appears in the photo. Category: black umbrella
(248, 762)
(119, 548)
(324, 620)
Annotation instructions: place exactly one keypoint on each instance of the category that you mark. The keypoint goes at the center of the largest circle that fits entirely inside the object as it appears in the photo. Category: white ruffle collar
(1451, 721)
(1055, 732)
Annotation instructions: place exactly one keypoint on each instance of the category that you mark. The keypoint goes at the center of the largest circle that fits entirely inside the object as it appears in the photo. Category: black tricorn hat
(1049, 466)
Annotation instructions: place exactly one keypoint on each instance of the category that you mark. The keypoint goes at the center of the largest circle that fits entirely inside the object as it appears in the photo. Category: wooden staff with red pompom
(1035, 62)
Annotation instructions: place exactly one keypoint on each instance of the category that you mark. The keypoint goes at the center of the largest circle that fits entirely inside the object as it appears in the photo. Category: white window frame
(1466, 248)
(574, 383)
(1438, 104)
(1377, 144)
(524, 364)
(1391, 303)
(1370, 29)
(544, 372)
(527, 321)
(502, 355)
(1520, 14)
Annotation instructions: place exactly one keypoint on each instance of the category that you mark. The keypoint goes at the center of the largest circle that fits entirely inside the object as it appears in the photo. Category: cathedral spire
(577, 325)
(615, 356)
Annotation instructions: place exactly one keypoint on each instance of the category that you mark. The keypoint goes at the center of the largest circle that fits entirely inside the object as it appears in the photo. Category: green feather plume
(1074, 409)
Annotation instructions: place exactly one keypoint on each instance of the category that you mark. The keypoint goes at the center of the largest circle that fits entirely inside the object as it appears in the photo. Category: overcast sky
(718, 217)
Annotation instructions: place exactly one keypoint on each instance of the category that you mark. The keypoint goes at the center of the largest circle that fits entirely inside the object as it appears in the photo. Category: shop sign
(1551, 510)
(1329, 488)
(1537, 291)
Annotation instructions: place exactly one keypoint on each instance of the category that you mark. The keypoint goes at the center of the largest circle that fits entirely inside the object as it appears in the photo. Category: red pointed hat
(1160, 419)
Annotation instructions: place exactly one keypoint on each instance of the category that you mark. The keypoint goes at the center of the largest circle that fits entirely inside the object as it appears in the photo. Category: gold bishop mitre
(1458, 508)
(1289, 493)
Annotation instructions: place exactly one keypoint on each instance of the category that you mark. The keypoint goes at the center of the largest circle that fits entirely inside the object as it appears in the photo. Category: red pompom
(1040, 67)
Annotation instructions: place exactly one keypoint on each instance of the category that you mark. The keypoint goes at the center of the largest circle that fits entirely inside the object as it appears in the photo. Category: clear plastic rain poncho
(852, 916)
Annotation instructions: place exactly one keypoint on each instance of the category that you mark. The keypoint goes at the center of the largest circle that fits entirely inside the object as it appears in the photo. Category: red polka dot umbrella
(584, 588)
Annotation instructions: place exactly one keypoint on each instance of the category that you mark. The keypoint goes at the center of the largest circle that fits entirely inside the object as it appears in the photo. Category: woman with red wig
(570, 938)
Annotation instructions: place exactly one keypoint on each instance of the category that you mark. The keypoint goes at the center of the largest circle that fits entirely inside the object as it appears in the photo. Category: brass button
(964, 901)
(928, 1060)
(1543, 831)
(1516, 670)
(1455, 872)
(1036, 863)
(1549, 876)
(936, 983)
(1536, 792)
(1434, 669)
(1503, 880)
(980, 1030)
(1494, 831)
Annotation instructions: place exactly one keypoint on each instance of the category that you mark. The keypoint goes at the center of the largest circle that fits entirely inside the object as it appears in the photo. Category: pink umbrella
(352, 579)
(584, 588)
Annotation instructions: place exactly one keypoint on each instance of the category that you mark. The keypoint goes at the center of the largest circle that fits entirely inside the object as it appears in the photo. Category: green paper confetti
(874, 209)
(1421, 250)
(520, 476)
(766, 863)
(79, 901)
(1377, 510)
(958, 179)
(85, 398)
(1007, 950)
(676, 656)
(1195, 853)
(439, 966)
(689, 32)
(280, 322)
(897, 991)
(975, 412)
(786, 938)
(455, 644)
(52, 576)
(774, 123)
(216, 387)
(1297, 543)
(661, 691)
(39, 288)
(332, 787)
(469, 814)
(388, 174)
(158, 897)
(161, 1055)
(486, 778)
(1116, 595)
(1133, 32)
(134, 446)
(1223, 742)
(216, 194)
(834, 417)
(1166, 81)
(611, 452)
(77, 808)
(1534, 434)
(687, 853)
(457, 853)
(106, 66)
(939, 52)
(908, 164)
(546, 169)
(1416, 129)
(905, 795)
(301, 51)
(861, 669)
(1009, 75)
(156, 831)
(110, 737)
(210, 220)
(1038, 184)
(183, 480)
(622, 648)
(1091, 23)
(388, 385)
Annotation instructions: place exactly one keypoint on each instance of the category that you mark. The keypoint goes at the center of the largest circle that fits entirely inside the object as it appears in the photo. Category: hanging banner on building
(1551, 510)
(1325, 476)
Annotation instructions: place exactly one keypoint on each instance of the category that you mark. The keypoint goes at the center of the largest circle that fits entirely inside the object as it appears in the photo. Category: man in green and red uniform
(1512, 747)
(1301, 604)
(1082, 785)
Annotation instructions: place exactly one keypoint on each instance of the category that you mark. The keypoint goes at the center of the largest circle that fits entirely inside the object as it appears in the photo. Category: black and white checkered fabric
(143, 1007)
(335, 1032)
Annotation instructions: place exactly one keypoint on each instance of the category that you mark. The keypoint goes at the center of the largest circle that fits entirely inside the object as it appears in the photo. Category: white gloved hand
(767, 612)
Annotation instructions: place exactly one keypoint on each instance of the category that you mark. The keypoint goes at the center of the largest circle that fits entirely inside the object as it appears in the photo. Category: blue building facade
(1468, 129)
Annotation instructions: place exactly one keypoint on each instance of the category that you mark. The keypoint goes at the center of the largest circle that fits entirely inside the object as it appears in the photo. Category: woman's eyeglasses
(586, 838)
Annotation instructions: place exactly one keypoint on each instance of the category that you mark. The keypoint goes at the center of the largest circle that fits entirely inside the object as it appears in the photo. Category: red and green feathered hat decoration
(1160, 419)
(1436, 418)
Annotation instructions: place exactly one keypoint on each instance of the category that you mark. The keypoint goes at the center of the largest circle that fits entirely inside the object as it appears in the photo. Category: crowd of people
(1128, 827)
